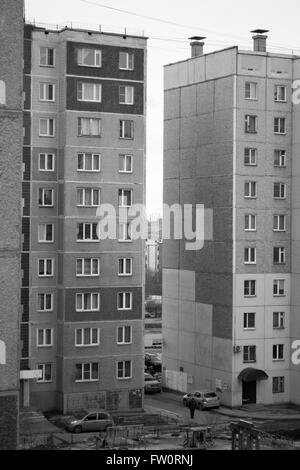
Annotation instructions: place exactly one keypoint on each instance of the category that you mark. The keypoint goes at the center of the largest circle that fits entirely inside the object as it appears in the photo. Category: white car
(204, 399)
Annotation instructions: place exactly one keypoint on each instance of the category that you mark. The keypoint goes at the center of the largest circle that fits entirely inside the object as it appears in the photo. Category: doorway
(249, 392)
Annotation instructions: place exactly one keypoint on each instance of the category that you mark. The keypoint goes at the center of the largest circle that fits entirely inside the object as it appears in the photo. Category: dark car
(153, 362)
(151, 384)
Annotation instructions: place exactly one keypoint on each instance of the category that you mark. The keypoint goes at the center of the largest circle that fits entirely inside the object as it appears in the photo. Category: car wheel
(77, 429)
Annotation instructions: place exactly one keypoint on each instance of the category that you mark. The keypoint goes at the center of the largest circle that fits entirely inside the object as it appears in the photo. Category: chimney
(260, 40)
(197, 45)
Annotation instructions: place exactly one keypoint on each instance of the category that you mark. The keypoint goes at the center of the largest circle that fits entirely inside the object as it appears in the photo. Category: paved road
(173, 403)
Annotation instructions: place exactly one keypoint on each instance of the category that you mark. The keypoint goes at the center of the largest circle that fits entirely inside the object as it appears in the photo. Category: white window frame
(255, 286)
(91, 260)
(82, 364)
(94, 193)
(246, 321)
(96, 92)
(44, 88)
(280, 387)
(43, 197)
(251, 185)
(252, 95)
(281, 185)
(280, 317)
(124, 295)
(125, 93)
(47, 56)
(123, 370)
(277, 283)
(124, 262)
(45, 260)
(281, 154)
(247, 348)
(123, 328)
(124, 157)
(277, 93)
(128, 65)
(47, 166)
(248, 119)
(42, 367)
(123, 128)
(87, 240)
(97, 53)
(281, 254)
(91, 295)
(82, 344)
(94, 157)
(47, 134)
(45, 294)
(122, 196)
(126, 227)
(280, 124)
(43, 240)
(44, 344)
(248, 255)
(250, 153)
(276, 222)
(277, 355)
(248, 220)
(80, 127)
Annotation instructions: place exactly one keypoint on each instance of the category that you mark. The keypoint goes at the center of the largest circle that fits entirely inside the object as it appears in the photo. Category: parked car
(204, 399)
(94, 420)
(151, 384)
(153, 362)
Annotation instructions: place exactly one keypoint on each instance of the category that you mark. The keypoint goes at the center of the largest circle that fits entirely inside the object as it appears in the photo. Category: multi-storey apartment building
(230, 310)
(84, 147)
(11, 135)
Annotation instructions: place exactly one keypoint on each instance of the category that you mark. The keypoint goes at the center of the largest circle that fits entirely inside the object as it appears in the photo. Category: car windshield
(210, 395)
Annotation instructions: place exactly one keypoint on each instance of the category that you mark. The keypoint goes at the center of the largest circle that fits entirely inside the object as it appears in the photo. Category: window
(124, 335)
(126, 129)
(47, 127)
(278, 287)
(250, 123)
(46, 162)
(44, 337)
(89, 91)
(250, 156)
(250, 91)
(278, 352)
(278, 320)
(45, 233)
(280, 93)
(250, 255)
(125, 163)
(279, 223)
(124, 300)
(250, 189)
(278, 255)
(279, 125)
(279, 191)
(47, 92)
(88, 197)
(46, 372)
(45, 302)
(124, 370)
(278, 385)
(249, 320)
(88, 162)
(87, 232)
(126, 61)
(249, 353)
(250, 222)
(87, 336)
(125, 266)
(88, 302)
(45, 197)
(125, 197)
(89, 57)
(47, 56)
(89, 127)
(249, 288)
(280, 158)
(87, 267)
(46, 267)
(126, 94)
(125, 232)
(87, 372)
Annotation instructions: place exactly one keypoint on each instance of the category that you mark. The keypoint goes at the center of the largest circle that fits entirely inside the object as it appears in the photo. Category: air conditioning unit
(237, 349)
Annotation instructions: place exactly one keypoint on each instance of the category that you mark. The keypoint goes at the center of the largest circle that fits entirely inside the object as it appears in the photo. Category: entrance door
(249, 392)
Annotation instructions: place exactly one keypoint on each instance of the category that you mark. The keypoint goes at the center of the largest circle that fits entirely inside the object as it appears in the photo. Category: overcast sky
(224, 22)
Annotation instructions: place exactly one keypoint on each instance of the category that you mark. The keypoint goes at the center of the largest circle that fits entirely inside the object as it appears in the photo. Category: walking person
(192, 406)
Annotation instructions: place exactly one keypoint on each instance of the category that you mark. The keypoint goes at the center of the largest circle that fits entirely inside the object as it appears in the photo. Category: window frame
(123, 327)
(96, 52)
(276, 282)
(279, 351)
(281, 254)
(45, 302)
(249, 216)
(280, 320)
(94, 191)
(250, 288)
(94, 92)
(123, 370)
(276, 225)
(90, 344)
(122, 129)
(281, 158)
(122, 274)
(91, 309)
(90, 135)
(252, 152)
(48, 135)
(280, 387)
(125, 93)
(46, 161)
(47, 49)
(82, 364)
(43, 190)
(281, 185)
(87, 240)
(127, 227)
(247, 348)
(45, 345)
(45, 266)
(128, 54)
(43, 369)
(248, 255)
(43, 86)
(278, 125)
(126, 155)
(84, 155)
(91, 263)
(124, 294)
(246, 321)
(276, 94)
(248, 119)
(250, 97)
(251, 185)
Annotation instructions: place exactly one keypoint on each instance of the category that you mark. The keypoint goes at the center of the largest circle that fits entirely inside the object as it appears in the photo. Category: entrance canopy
(250, 375)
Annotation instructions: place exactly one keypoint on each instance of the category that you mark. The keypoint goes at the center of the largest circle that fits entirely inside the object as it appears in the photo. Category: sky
(169, 24)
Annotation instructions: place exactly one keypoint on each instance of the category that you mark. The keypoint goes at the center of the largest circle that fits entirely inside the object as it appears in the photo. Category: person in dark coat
(192, 406)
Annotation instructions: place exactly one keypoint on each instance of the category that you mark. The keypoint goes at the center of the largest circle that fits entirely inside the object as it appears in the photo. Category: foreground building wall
(11, 103)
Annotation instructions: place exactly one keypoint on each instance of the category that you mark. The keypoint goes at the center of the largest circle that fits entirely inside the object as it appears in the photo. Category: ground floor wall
(9, 421)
